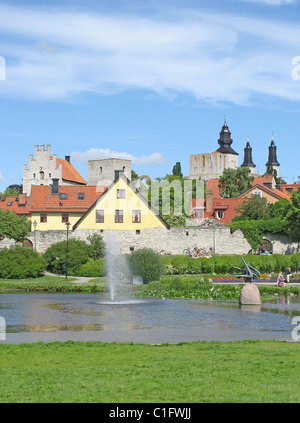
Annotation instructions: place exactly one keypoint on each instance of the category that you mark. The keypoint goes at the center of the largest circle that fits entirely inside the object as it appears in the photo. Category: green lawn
(244, 371)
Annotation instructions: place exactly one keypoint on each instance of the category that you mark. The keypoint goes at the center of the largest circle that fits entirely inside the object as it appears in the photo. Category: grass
(170, 286)
(199, 372)
(52, 284)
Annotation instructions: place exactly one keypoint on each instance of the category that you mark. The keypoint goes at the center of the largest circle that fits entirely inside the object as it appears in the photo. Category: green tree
(134, 175)
(234, 182)
(96, 247)
(10, 192)
(177, 170)
(13, 226)
(253, 208)
(278, 179)
(293, 217)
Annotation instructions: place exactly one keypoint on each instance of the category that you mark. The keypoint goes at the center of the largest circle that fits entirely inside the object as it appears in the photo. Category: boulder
(250, 294)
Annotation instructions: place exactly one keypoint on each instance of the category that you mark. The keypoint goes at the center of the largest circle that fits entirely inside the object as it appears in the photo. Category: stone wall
(173, 240)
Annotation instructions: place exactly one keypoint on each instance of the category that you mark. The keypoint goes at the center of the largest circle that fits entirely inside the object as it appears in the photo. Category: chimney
(209, 201)
(55, 186)
(67, 159)
(22, 199)
(117, 173)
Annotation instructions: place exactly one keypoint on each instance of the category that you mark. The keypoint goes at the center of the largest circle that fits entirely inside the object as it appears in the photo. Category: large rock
(250, 294)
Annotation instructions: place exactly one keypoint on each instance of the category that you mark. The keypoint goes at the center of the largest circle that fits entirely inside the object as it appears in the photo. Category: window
(120, 193)
(136, 216)
(43, 218)
(220, 214)
(81, 196)
(9, 203)
(65, 218)
(3, 198)
(49, 175)
(99, 216)
(63, 196)
(199, 214)
(258, 193)
(33, 175)
(42, 175)
(119, 216)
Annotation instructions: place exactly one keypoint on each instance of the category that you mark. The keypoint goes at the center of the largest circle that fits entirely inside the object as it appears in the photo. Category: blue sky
(148, 80)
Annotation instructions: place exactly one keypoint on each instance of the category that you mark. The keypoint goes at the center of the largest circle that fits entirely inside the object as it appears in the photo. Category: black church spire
(225, 140)
(248, 157)
(272, 161)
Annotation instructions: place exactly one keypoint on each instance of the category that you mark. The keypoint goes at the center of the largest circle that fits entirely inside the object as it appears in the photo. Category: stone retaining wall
(173, 240)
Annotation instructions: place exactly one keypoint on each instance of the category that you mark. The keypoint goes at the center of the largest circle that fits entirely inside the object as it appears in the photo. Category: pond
(90, 317)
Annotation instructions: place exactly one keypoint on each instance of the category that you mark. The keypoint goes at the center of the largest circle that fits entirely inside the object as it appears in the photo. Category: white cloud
(213, 57)
(2, 179)
(154, 159)
(271, 2)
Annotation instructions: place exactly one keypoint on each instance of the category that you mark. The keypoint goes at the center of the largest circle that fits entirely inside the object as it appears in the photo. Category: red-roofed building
(18, 205)
(46, 169)
(224, 209)
(52, 209)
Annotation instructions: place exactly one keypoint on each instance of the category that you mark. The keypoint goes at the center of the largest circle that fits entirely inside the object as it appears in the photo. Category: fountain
(118, 272)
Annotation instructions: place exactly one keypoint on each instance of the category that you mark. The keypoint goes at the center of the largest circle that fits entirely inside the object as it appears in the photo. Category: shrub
(93, 268)
(21, 263)
(145, 263)
(96, 246)
(78, 254)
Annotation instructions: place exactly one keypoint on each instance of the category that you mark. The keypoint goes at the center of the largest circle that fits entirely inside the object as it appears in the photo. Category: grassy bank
(244, 371)
(52, 284)
(173, 286)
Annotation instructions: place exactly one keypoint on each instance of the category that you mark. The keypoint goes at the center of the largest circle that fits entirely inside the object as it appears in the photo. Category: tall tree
(293, 217)
(234, 182)
(253, 208)
(177, 170)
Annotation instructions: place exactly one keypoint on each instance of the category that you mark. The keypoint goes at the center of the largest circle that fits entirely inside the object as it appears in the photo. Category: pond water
(89, 317)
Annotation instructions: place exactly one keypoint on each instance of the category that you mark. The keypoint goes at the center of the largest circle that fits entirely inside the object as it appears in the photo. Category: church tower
(211, 165)
(248, 158)
(272, 161)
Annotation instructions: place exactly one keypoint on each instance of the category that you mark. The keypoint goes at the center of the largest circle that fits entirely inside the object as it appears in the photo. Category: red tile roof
(18, 205)
(42, 199)
(228, 205)
(69, 173)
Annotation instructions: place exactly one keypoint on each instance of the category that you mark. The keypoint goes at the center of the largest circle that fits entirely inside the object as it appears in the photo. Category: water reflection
(90, 317)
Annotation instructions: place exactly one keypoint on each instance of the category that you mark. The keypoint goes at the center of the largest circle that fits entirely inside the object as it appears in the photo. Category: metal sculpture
(248, 273)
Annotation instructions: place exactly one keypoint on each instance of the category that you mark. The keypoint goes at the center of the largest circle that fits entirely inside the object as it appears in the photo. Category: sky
(150, 81)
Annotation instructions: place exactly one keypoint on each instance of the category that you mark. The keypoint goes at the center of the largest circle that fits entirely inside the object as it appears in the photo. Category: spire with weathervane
(248, 162)
(272, 160)
(225, 140)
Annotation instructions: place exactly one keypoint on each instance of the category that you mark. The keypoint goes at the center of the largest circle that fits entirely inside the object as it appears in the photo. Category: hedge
(181, 265)
(254, 230)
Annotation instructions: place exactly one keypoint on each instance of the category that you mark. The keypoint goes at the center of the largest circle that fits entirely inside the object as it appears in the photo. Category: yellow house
(121, 207)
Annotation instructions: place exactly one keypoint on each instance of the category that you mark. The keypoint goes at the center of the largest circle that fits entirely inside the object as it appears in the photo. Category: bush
(93, 268)
(96, 246)
(21, 263)
(145, 263)
(78, 254)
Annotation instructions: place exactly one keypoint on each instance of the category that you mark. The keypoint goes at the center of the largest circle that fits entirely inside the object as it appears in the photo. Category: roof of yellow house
(132, 186)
